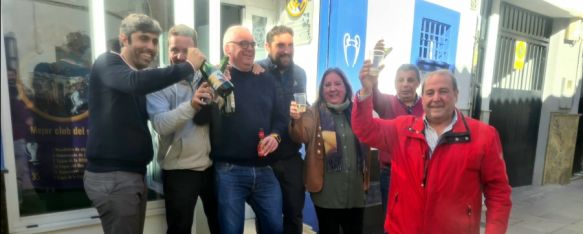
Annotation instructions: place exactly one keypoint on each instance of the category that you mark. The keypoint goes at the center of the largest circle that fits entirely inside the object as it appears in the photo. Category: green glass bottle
(215, 77)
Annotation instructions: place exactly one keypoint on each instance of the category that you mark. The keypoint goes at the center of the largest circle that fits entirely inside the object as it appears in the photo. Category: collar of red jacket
(459, 133)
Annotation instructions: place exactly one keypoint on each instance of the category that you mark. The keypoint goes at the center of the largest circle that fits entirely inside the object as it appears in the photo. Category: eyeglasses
(245, 44)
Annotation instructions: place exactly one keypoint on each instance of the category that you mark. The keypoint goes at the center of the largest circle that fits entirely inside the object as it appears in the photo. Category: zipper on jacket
(470, 219)
(425, 168)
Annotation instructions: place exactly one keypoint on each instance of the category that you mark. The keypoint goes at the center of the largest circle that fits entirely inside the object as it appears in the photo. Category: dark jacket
(291, 81)
(119, 139)
(257, 106)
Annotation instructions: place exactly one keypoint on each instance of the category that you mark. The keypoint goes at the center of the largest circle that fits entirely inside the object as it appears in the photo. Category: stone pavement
(554, 209)
(546, 209)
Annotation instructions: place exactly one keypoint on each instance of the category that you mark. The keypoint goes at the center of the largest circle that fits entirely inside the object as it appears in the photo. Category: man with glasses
(242, 171)
(288, 164)
(183, 146)
(120, 145)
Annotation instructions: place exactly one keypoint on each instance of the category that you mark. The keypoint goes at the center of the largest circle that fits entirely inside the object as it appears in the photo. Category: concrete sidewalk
(535, 210)
(546, 209)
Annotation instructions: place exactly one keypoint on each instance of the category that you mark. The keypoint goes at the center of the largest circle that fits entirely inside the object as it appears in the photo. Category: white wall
(306, 55)
(564, 62)
(392, 20)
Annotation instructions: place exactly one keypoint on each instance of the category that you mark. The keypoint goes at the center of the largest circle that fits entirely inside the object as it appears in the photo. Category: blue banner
(342, 38)
(341, 44)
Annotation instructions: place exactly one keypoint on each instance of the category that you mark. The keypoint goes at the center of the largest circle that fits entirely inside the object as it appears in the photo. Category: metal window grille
(434, 43)
(535, 29)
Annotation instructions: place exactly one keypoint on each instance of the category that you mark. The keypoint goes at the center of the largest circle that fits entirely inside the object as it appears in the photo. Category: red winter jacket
(390, 107)
(441, 193)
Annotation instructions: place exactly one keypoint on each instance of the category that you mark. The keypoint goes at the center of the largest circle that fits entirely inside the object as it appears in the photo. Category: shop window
(48, 71)
(48, 51)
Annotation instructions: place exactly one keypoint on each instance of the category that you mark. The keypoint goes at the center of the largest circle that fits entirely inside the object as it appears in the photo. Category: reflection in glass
(49, 62)
(48, 55)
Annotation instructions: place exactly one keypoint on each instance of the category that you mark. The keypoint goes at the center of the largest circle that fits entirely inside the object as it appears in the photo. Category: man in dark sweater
(242, 171)
(120, 146)
(287, 162)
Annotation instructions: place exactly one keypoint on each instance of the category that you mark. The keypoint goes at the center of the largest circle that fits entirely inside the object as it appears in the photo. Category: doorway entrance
(516, 98)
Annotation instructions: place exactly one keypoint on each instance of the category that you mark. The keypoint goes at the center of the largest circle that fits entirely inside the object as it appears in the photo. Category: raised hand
(293, 111)
(367, 81)
(195, 57)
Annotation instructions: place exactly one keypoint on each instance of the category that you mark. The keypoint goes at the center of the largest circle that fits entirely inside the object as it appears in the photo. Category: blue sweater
(119, 139)
(257, 105)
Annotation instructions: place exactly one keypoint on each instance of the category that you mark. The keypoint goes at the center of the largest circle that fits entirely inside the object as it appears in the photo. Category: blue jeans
(385, 180)
(257, 186)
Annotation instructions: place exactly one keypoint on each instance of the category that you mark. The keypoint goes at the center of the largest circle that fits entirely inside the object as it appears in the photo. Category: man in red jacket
(406, 102)
(442, 163)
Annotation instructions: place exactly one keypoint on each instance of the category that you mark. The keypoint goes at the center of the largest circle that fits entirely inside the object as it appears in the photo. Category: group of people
(439, 162)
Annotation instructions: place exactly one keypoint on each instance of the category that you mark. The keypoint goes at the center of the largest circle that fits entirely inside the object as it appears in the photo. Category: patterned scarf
(333, 156)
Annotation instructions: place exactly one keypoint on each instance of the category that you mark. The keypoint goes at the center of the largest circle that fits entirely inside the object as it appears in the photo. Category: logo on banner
(296, 7)
(354, 43)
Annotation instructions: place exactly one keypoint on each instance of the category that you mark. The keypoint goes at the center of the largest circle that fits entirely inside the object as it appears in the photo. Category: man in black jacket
(288, 164)
(120, 146)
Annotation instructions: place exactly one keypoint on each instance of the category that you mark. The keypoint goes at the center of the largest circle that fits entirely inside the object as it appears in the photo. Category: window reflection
(48, 62)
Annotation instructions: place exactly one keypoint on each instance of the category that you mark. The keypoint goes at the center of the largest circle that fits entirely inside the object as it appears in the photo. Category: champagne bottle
(215, 77)
(224, 63)
(210, 111)
(229, 107)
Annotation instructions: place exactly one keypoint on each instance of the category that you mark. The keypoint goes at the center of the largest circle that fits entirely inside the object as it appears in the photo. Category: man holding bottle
(242, 173)
(183, 145)
(120, 145)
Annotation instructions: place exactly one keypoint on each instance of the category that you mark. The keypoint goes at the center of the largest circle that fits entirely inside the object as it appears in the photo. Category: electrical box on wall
(567, 93)
(574, 31)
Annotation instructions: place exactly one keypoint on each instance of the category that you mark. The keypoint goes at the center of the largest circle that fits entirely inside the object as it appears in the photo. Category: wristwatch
(276, 136)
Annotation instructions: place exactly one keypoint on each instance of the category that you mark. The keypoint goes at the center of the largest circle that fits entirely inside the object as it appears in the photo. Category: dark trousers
(331, 220)
(385, 181)
(289, 173)
(181, 191)
(120, 199)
